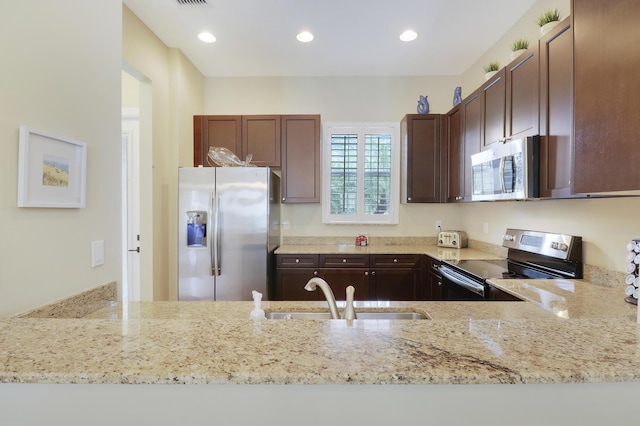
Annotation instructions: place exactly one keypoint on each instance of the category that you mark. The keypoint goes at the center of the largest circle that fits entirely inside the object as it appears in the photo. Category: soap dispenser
(257, 313)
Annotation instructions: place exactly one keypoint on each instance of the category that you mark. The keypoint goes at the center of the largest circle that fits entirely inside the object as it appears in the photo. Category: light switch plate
(97, 253)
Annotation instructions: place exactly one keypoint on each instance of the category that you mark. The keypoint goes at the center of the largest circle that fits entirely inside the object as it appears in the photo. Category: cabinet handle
(395, 260)
(297, 260)
(344, 260)
(315, 273)
(283, 198)
(373, 272)
(408, 198)
(366, 273)
(439, 283)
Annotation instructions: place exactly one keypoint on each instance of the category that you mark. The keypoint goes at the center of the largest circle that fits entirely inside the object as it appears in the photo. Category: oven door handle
(462, 281)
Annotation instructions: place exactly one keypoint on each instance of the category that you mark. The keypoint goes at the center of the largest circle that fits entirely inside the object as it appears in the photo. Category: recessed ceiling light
(305, 36)
(408, 35)
(207, 37)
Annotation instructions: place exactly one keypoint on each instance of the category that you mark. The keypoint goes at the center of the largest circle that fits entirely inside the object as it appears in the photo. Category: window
(360, 173)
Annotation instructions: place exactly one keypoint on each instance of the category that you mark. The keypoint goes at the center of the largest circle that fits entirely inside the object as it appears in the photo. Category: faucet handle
(349, 310)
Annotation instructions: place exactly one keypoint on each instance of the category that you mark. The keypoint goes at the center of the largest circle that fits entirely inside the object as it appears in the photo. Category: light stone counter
(568, 332)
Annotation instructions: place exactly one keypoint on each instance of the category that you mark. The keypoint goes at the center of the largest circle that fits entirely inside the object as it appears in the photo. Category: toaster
(456, 239)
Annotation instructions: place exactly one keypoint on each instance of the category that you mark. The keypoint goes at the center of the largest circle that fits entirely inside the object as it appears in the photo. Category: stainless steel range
(531, 254)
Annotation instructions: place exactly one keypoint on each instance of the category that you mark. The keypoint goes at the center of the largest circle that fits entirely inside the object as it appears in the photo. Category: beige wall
(177, 89)
(61, 74)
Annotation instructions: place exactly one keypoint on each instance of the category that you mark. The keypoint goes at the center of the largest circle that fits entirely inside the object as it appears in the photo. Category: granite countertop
(567, 331)
(442, 253)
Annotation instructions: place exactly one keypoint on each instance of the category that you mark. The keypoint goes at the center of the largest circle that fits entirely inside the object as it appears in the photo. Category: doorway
(137, 247)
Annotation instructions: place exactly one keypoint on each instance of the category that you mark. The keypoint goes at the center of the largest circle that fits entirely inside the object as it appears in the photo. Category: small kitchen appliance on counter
(455, 239)
(532, 254)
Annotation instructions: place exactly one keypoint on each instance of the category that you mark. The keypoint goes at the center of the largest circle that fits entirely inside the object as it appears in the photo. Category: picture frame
(52, 170)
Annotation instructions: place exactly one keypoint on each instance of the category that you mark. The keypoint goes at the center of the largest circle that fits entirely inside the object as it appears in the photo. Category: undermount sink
(370, 315)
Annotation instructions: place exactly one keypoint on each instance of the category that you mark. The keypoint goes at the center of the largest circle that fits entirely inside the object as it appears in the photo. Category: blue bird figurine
(457, 96)
(423, 105)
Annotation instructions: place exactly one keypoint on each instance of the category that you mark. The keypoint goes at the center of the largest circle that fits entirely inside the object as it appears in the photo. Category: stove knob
(563, 247)
(554, 245)
(508, 237)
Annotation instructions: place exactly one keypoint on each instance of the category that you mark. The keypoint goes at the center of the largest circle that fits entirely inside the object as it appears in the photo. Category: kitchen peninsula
(570, 333)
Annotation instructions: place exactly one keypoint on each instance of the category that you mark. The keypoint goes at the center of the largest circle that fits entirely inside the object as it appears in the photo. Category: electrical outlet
(285, 224)
(485, 228)
(97, 253)
(438, 224)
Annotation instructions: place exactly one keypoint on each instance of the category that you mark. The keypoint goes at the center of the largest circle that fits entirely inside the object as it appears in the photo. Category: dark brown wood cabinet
(472, 140)
(289, 142)
(606, 95)
(292, 274)
(421, 167)
(261, 139)
(343, 270)
(395, 277)
(215, 130)
(455, 154)
(258, 135)
(493, 101)
(522, 98)
(374, 277)
(556, 105)
(300, 180)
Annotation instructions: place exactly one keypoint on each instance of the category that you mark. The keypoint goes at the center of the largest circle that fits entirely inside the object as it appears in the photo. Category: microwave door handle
(215, 235)
(503, 189)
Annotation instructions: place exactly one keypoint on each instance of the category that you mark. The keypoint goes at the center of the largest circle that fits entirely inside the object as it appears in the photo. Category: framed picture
(52, 170)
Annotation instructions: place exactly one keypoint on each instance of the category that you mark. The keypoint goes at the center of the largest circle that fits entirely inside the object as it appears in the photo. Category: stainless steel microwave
(507, 171)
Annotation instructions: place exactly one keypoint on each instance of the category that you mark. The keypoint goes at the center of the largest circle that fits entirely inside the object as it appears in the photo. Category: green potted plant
(548, 20)
(490, 69)
(518, 47)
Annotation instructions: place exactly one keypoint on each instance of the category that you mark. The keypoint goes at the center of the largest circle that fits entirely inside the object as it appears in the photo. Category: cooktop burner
(485, 269)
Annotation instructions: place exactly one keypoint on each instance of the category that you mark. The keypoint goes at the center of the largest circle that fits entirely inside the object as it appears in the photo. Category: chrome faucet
(349, 311)
(328, 294)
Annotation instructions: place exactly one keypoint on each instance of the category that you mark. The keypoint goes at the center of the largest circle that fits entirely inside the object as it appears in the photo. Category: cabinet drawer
(395, 260)
(297, 261)
(344, 261)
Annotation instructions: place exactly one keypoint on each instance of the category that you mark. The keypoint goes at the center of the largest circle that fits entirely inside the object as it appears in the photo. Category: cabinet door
(300, 178)
(455, 155)
(472, 123)
(261, 139)
(421, 158)
(216, 130)
(607, 95)
(340, 279)
(556, 104)
(522, 95)
(290, 284)
(493, 94)
(395, 283)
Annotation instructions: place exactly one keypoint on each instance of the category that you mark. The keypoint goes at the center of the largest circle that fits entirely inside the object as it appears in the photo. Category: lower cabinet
(374, 277)
(292, 273)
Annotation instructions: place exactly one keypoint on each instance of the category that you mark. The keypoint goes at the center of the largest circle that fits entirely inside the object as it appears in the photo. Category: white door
(131, 199)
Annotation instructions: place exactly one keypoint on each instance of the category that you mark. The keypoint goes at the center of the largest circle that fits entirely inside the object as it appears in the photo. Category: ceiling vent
(192, 2)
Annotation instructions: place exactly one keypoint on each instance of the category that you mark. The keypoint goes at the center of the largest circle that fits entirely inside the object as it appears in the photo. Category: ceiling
(352, 37)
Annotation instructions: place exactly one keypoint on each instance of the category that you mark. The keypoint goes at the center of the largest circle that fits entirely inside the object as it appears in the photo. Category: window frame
(361, 129)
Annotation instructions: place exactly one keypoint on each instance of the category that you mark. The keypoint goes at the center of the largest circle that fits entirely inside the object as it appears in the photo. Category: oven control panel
(561, 246)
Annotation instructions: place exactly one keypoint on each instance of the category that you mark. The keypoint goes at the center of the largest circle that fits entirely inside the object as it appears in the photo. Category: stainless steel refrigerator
(229, 228)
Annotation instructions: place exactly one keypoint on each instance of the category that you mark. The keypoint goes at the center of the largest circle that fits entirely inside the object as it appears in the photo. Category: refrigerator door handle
(215, 235)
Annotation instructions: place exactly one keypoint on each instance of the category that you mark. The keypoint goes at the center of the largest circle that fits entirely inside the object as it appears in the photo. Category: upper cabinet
(289, 142)
(421, 158)
(606, 95)
(215, 130)
(556, 104)
(300, 159)
(261, 139)
(471, 139)
(455, 154)
(493, 101)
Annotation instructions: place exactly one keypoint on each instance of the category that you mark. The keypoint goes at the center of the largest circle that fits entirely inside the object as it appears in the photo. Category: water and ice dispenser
(196, 228)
